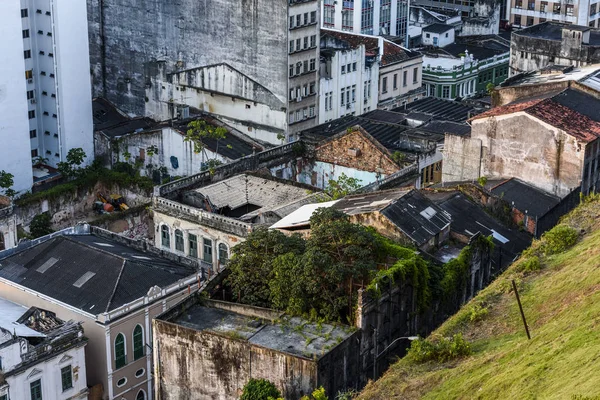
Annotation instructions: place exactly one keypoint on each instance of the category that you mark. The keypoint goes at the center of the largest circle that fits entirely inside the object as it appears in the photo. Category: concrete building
(207, 221)
(237, 63)
(210, 349)
(549, 141)
(8, 224)
(114, 286)
(16, 152)
(58, 90)
(160, 148)
(371, 17)
(549, 43)
(530, 12)
(465, 68)
(437, 35)
(42, 356)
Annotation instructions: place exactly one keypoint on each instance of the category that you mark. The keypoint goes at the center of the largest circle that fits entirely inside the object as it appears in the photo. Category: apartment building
(371, 17)
(524, 13)
(53, 37)
(303, 59)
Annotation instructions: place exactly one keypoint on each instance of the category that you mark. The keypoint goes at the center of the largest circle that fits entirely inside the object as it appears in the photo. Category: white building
(41, 357)
(50, 92)
(349, 74)
(372, 17)
(437, 35)
(15, 151)
(522, 13)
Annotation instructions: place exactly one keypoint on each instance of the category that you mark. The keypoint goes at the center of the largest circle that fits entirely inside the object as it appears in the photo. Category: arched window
(165, 236)
(138, 342)
(223, 253)
(178, 240)
(120, 354)
(141, 395)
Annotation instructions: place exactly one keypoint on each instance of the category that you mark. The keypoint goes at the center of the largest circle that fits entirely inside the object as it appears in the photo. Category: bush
(558, 239)
(530, 264)
(440, 350)
(40, 226)
(260, 389)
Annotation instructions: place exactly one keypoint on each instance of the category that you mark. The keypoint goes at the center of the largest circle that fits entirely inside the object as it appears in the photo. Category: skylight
(84, 278)
(46, 266)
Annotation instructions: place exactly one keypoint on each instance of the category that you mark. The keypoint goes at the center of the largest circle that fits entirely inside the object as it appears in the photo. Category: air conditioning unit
(298, 99)
(348, 106)
(29, 80)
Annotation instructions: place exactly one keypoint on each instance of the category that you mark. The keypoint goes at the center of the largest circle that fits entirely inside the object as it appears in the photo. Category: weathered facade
(210, 349)
(227, 58)
(549, 143)
(549, 43)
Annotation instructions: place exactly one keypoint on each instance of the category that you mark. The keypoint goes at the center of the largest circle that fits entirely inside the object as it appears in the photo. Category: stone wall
(462, 158)
(133, 41)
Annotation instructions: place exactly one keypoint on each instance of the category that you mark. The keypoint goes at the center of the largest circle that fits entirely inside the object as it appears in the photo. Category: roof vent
(84, 278)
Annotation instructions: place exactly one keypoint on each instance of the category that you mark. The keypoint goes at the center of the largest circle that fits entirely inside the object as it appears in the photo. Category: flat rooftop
(10, 314)
(553, 31)
(291, 335)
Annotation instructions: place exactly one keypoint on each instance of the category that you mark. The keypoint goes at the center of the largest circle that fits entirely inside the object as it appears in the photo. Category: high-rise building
(524, 13)
(15, 156)
(53, 37)
(371, 17)
(252, 65)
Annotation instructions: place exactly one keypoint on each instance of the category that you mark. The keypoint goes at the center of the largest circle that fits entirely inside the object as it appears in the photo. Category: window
(446, 34)
(139, 372)
(120, 355)
(223, 252)
(34, 153)
(305, 18)
(313, 17)
(32, 134)
(384, 85)
(66, 377)
(35, 388)
(29, 74)
(298, 68)
(416, 75)
(305, 43)
(141, 395)
(165, 236)
(427, 35)
(27, 54)
(138, 339)
(31, 114)
(207, 251)
(395, 81)
(298, 20)
(42, 52)
(298, 44)
(529, 21)
(404, 78)
(121, 382)
(343, 69)
(193, 240)
(305, 69)
(446, 92)
(29, 94)
(178, 240)
(24, 13)
(40, 32)
(342, 97)
(25, 33)
(49, 34)
(43, 73)
(38, 11)
(291, 22)
(354, 66)
(291, 46)
(291, 70)
(313, 41)
(311, 89)
(313, 63)
(311, 111)
(353, 93)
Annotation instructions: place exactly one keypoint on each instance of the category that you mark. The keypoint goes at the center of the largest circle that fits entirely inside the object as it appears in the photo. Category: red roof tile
(507, 109)
(567, 119)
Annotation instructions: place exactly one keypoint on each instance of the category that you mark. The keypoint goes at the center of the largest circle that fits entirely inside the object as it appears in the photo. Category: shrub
(40, 225)
(440, 350)
(260, 389)
(558, 239)
(530, 264)
(477, 312)
(482, 180)
(317, 394)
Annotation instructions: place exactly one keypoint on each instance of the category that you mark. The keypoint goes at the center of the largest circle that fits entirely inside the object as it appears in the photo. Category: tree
(6, 183)
(199, 131)
(74, 159)
(260, 389)
(342, 187)
(490, 87)
(40, 225)
(317, 394)
(251, 264)
(151, 150)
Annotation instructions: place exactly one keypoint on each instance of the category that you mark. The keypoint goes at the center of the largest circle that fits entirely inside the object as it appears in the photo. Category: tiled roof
(391, 52)
(525, 197)
(439, 109)
(572, 111)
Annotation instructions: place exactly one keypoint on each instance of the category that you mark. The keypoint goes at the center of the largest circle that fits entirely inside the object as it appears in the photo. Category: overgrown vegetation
(72, 166)
(557, 279)
(440, 349)
(40, 226)
(318, 278)
(260, 389)
(341, 187)
(317, 394)
(198, 132)
(6, 183)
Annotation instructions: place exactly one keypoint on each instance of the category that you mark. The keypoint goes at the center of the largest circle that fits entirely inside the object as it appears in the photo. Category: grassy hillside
(561, 300)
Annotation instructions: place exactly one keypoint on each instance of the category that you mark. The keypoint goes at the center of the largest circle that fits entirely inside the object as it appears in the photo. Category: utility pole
(514, 285)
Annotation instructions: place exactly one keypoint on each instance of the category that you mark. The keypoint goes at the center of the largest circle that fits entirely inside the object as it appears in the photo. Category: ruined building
(550, 43)
(237, 61)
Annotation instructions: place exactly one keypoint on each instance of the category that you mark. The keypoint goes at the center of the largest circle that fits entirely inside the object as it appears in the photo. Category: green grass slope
(561, 301)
